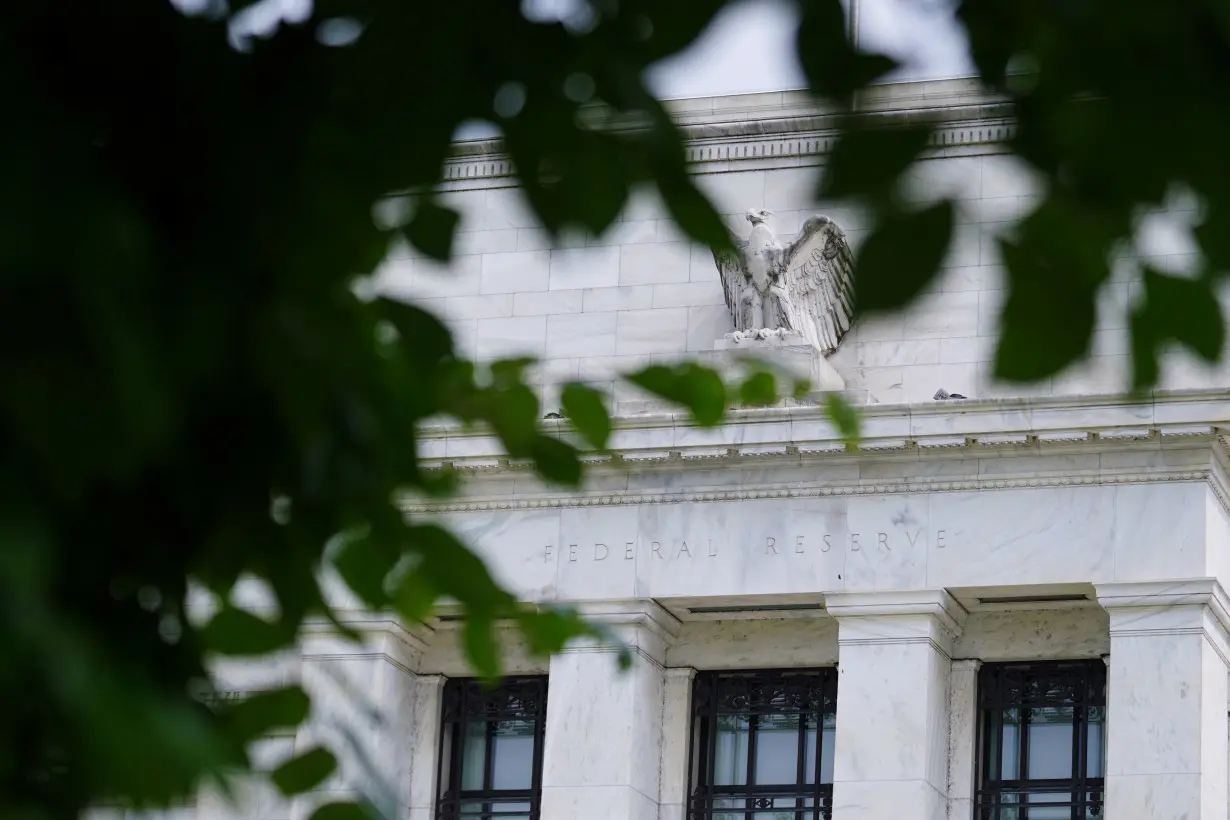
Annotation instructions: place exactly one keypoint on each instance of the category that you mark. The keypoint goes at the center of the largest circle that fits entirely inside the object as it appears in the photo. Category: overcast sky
(751, 48)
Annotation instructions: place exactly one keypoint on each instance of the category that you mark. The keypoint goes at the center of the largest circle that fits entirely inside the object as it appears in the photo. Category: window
(762, 745)
(1041, 740)
(491, 750)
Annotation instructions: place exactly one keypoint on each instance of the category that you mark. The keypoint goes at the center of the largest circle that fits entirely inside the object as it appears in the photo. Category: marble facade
(1062, 521)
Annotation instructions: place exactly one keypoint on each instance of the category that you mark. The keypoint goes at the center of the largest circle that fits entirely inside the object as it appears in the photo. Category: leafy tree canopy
(194, 392)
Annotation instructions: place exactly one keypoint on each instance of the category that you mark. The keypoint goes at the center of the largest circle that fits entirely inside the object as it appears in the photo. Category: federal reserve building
(1006, 602)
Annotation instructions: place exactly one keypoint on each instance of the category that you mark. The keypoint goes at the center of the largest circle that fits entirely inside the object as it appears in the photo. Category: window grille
(491, 750)
(762, 745)
(1041, 740)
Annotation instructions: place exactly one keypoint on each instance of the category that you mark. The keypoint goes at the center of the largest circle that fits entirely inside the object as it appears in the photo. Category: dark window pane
(827, 746)
(1050, 743)
(730, 755)
(474, 756)
(809, 765)
(759, 734)
(1096, 748)
(512, 751)
(1036, 720)
(1010, 744)
(493, 738)
(777, 749)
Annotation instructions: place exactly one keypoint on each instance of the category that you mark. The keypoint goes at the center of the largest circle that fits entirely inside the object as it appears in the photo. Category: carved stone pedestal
(790, 354)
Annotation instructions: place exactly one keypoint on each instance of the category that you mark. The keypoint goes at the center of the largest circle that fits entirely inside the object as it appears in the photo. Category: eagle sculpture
(805, 287)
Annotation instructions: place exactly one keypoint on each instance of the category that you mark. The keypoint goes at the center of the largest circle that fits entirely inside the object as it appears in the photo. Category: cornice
(788, 128)
(790, 437)
(827, 491)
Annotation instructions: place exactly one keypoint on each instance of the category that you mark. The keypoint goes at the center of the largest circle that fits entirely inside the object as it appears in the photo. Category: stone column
(962, 738)
(364, 711)
(602, 757)
(425, 746)
(676, 742)
(891, 749)
(1166, 752)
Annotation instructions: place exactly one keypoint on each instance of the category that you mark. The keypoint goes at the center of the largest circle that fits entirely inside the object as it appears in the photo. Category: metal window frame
(707, 696)
(1029, 685)
(468, 699)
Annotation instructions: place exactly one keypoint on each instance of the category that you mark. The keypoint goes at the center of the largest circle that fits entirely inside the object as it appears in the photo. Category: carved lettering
(678, 548)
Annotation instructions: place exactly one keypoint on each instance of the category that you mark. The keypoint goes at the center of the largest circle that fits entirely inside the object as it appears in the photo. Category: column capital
(645, 626)
(931, 616)
(1198, 591)
(386, 639)
(936, 603)
(680, 674)
(1158, 608)
(966, 664)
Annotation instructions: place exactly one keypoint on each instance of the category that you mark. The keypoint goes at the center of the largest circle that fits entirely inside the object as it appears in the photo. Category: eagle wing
(732, 267)
(819, 279)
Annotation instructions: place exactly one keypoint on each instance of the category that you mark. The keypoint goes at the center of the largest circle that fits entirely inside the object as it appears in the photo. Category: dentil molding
(788, 128)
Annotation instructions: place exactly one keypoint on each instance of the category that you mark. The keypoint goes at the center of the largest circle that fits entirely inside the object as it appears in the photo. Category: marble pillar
(894, 664)
(364, 699)
(604, 733)
(676, 742)
(1166, 716)
(425, 746)
(962, 738)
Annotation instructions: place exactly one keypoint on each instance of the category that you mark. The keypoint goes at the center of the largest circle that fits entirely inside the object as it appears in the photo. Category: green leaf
(364, 564)
(238, 632)
(758, 389)
(869, 160)
(514, 412)
(586, 407)
(264, 712)
(304, 772)
(549, 628)
(833, 67)
(845, 417)
(432, 230)
(697, 388)
(1040, 301)
(478, 636)
(901, 257)
(343, 811)
(414, 597)
(1174, 309)
(693, 212)
(556, 461)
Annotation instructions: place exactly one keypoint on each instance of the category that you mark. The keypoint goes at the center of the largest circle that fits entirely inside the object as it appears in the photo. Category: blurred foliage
(194, 393)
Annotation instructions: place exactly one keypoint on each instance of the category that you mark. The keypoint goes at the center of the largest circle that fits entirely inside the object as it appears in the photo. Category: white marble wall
(617, 744)
(595, 306)
(775, 546)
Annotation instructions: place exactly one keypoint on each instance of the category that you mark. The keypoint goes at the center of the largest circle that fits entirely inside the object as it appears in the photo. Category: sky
(750, 47)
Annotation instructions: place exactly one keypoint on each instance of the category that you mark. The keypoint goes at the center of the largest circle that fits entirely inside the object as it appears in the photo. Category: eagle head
(758, 215)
